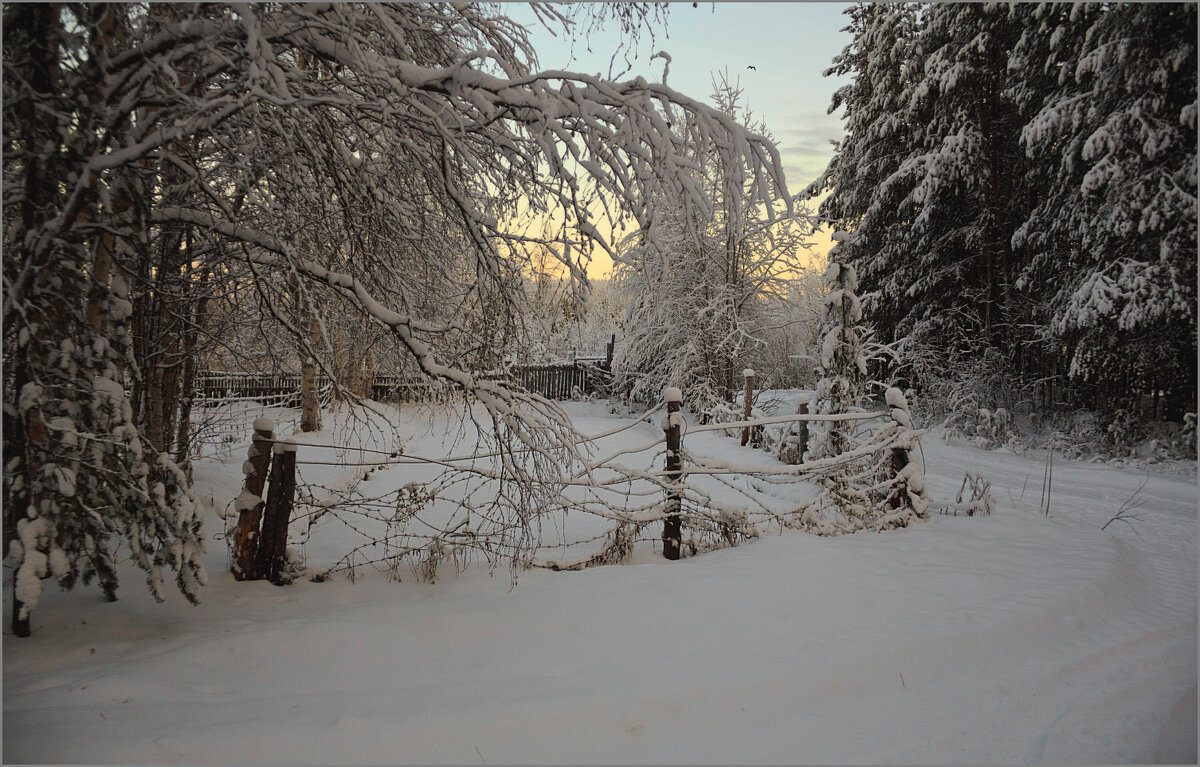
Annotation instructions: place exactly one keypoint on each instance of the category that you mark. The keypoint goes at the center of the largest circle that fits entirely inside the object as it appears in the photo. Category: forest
(1021, 182)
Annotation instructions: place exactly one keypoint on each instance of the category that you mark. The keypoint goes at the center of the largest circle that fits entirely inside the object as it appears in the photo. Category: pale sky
(789, 44)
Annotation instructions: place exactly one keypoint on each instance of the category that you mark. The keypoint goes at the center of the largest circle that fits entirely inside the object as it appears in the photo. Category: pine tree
(842, 368)
(843, 361)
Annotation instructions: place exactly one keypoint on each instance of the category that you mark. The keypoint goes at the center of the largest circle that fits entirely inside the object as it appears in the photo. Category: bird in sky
(751, 66)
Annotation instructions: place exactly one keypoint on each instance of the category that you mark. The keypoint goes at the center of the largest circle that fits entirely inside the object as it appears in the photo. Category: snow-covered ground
(1014, 637)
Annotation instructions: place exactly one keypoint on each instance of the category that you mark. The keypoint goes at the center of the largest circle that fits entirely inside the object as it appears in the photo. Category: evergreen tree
(934, 216)
(880, 134)
(843, 361)
(80, 477)
(1021, 181)
(1111, 240)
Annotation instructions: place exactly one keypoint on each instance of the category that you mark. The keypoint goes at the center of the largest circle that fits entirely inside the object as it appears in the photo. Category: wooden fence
(561, 382)
(558, 382)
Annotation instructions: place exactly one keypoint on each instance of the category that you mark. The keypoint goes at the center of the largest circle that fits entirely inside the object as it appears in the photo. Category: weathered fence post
(673, 426)
(249, 504)
(802, 436)
(281, 497)
(748, 373)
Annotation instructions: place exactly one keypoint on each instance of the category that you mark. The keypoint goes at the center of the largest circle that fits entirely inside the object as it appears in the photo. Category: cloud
(811, 132)
(800, 176)
(813, 149)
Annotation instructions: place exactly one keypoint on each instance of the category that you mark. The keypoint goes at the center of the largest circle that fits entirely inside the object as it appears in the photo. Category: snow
(246, 501)
(285, 446)
(1010, 637)
(30, 396)
(110, 390)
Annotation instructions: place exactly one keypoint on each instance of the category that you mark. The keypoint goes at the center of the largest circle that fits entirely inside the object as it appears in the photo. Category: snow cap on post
(748, 373)
(673, 394)
(246, 501)
(286, 446)
(263, 424)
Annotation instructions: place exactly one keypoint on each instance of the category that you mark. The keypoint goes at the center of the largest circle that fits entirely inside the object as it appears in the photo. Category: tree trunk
(184, 436)
(31, 31)
(310, 403)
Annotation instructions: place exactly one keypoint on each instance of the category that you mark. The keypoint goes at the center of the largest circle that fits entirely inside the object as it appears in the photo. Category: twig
(1130, 504)
(1047, 485)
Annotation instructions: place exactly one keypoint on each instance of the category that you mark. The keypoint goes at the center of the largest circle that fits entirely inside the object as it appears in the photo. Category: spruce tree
(1111, 238)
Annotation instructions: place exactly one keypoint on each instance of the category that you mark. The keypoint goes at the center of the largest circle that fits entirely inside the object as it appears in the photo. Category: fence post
(250, 504)
(748, 373)
(281, 497)
(673, 426)
(803, 431)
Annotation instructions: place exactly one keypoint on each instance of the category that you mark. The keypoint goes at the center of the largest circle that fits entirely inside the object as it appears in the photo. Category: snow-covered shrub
(724, 529)
(843, 362)
(884, 488)
(904, 482)
(970, 390)
(992, 428)
(1125, 432)
(1188, 435)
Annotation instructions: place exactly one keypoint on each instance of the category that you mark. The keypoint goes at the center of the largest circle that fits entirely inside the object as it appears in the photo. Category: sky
(776, 51)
